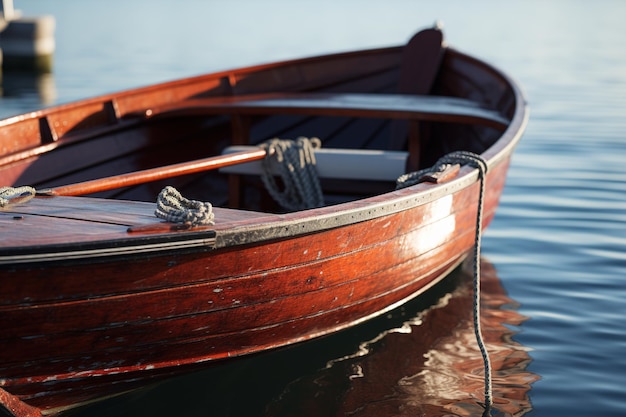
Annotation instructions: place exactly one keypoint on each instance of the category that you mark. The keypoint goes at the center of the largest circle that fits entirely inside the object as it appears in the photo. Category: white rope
(295, 162)
(463, 157)
(10, 194)
(174, 208)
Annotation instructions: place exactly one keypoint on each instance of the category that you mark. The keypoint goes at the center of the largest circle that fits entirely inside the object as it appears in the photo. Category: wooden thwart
(352, 164)
(411, 107)
(386, 106)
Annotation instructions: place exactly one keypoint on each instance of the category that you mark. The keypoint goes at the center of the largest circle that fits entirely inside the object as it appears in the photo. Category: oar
(154, 174)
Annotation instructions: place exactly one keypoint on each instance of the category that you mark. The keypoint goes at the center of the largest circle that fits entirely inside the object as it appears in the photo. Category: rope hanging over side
(9, 195)
(173, 207)
(463, 157)
(478, 162)
(294, 161)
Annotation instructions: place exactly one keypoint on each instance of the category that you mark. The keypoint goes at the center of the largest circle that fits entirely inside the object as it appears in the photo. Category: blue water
(558, 242)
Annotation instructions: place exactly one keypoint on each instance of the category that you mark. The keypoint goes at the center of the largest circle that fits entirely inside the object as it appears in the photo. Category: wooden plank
(60, 220)
(386, 106)
(357, 164)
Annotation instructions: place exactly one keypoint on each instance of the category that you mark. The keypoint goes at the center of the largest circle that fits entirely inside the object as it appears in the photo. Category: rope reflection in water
(428, 366)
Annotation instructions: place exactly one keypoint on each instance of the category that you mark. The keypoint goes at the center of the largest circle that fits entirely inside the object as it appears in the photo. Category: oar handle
(154, 174)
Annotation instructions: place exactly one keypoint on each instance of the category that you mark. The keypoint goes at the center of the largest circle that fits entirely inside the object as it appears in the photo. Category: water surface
(557, 244)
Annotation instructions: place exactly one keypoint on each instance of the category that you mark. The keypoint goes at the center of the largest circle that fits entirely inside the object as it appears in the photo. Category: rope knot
(294, 161)
(442, 164)
(174, 208)
(10, 195)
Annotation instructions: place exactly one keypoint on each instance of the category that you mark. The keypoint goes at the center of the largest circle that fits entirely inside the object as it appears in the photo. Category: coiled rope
(9, 195)
(295, 163)
(173, 207)
(469, 158)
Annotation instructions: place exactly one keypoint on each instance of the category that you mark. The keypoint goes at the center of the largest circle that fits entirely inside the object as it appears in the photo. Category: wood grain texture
(383, 106)
(99, 296)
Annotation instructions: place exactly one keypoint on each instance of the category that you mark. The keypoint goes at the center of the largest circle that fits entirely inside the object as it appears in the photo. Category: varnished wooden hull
(90, 309)
(424, 364)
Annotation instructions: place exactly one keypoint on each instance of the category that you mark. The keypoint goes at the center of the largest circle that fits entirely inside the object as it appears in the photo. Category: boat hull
(161, 315)
(106, 298)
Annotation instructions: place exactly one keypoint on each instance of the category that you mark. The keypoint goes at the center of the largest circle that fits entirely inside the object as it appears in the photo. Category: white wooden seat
(369, 165)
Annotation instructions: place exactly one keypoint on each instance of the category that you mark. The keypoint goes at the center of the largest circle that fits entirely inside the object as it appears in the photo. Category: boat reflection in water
(33, 89)
(419, 359)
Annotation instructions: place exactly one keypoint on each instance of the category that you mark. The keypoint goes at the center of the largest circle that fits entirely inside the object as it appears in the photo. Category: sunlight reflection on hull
(441, 230)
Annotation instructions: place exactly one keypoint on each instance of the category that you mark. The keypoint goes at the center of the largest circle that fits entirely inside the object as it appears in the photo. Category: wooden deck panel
(59, 220)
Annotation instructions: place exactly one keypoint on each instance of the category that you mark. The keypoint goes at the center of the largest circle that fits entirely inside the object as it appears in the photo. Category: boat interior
(423, 99)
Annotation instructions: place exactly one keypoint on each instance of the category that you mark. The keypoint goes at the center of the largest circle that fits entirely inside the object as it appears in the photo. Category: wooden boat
(99, 296)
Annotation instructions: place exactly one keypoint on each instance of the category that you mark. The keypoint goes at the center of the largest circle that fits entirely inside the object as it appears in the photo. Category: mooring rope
(415, 177)
(10, 194)
(463, 157)
(173, 207)
(295, 162)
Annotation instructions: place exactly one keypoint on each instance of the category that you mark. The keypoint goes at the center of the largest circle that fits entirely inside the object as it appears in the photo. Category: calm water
(555, 255)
